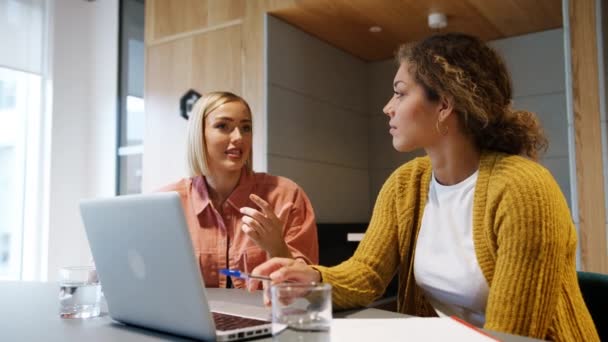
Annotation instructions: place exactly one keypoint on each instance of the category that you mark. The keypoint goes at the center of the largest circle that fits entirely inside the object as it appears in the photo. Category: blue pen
(242, 275)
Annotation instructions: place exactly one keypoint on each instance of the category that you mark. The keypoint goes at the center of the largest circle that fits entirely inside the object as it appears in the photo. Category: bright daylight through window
(22, 144)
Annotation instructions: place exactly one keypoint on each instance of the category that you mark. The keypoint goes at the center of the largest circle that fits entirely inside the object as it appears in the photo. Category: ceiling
(345, 23)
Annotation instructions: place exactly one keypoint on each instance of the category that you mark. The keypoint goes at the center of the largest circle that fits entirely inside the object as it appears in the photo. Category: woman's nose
(236, 134)
(388, 108)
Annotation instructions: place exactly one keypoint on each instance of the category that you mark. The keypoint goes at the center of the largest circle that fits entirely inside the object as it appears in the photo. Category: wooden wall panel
(173, 17)
(588, 136)
(221, 11)
(505, 15)
(168, 75)
(254, 79)
(217, 65)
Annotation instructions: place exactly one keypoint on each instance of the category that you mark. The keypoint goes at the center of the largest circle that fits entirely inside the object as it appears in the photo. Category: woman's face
(228, 137)
(412, 117)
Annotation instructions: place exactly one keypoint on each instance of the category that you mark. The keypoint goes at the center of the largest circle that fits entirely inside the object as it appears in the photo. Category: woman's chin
(402, 147)
(232, 165)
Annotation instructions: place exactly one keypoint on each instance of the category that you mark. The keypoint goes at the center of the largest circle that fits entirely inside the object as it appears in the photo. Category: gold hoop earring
(442, 132)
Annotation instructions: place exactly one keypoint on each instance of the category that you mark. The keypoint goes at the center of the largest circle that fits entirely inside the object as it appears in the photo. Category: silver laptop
(149, 274)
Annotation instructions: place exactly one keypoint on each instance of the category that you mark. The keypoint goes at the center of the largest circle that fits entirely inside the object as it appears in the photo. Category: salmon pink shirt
(217, 237)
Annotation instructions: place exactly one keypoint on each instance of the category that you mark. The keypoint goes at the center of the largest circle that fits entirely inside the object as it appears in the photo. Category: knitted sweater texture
(524, 240)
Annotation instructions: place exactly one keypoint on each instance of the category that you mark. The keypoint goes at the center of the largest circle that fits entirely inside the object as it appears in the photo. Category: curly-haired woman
(477, 228)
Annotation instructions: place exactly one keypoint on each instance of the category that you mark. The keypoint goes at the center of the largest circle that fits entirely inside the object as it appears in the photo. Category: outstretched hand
(265, 227)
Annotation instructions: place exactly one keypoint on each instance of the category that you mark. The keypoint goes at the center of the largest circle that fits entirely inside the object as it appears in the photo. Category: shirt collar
(237, 199)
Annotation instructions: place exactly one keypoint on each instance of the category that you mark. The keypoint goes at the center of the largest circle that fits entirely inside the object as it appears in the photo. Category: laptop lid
(146, 264)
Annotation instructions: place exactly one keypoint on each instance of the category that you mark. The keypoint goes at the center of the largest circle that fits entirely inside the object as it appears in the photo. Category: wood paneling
(588, 136)
(254, 78)
(168, 75)
(345, 23)
(221, 11)
(215, 64)
(205, 45)
(517, 17)
(173, 17)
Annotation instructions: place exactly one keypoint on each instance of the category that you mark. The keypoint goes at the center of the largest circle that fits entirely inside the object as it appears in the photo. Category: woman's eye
(221, 126)
(397, 94)
(247, 128)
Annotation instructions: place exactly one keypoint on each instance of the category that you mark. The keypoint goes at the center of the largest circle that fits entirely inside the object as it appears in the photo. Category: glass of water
(79, 292)
(302, 306)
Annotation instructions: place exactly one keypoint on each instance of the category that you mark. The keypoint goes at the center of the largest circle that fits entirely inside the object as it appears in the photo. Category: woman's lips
(234, 153)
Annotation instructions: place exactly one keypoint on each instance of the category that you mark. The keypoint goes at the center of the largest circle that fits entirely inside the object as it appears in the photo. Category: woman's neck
(220, 185)
(454, 159)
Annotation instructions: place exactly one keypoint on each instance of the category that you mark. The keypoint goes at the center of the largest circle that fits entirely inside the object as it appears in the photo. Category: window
(21, 137)
(131, 114)
(19, 111)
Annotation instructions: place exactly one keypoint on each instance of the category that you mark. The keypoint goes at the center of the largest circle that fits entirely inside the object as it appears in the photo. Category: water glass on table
(79, 292)
(302, 306)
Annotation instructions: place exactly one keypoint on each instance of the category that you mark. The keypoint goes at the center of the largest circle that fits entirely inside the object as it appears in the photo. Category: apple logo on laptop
(136, 264)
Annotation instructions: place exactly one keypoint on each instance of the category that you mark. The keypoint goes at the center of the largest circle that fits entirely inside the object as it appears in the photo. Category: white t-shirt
(445, 264)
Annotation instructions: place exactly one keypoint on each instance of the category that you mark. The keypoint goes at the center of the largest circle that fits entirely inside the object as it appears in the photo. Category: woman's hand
(281, 270)
(265, 228)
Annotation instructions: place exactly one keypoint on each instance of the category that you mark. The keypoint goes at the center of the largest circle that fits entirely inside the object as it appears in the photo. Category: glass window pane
(135, 120)
(18, 91)
(130, 174)
(132, 73)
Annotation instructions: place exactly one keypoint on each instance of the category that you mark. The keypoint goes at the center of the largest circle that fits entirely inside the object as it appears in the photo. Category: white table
(29, 312)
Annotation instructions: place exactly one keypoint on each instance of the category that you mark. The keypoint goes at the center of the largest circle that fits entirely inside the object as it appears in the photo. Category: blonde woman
(477, 228)
(238, 218)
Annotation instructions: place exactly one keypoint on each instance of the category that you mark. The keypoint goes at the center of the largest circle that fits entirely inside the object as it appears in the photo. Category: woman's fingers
(266, 269)
(252, 233)
(266, 209)
(255, 214)
(254, 224)
(267, 217)
(297, 271)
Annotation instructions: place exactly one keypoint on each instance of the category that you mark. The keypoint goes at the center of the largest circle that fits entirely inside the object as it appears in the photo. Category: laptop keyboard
(229, 322)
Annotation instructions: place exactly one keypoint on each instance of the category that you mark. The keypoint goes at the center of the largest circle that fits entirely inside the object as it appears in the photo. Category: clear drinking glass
(79, 292)
(302, 306)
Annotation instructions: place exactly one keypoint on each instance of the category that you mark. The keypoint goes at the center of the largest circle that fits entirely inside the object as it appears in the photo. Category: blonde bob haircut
(196, 149)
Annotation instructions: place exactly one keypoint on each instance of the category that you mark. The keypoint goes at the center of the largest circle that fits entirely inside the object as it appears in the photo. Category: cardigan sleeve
(533, 231)
(364, 277)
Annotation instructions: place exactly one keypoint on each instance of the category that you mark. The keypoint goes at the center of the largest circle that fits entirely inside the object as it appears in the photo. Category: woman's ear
(446, 108)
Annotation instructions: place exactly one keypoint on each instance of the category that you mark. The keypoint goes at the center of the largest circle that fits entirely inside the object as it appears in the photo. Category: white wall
(83, 71)
(317, 122)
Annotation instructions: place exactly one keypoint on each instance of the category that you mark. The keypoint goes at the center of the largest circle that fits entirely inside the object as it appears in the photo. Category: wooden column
(588, 135)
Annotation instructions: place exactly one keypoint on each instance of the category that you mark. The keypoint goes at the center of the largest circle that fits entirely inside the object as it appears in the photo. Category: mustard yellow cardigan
(524, 239)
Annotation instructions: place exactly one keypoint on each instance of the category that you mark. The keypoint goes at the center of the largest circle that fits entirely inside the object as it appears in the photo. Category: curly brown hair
(474, 77)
